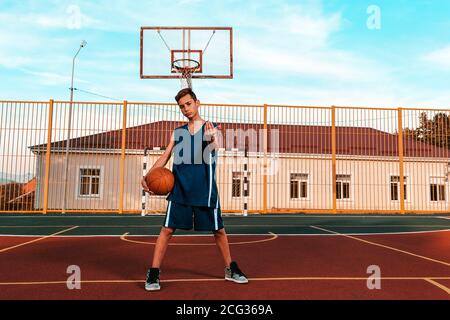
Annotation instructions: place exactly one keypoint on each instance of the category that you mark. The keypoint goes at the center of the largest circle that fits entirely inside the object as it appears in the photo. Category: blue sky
(285, 52)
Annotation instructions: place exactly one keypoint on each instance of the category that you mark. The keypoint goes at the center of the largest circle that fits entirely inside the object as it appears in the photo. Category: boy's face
(188, 106)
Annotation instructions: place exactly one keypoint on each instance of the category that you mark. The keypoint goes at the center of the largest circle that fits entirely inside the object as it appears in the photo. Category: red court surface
(413, 266)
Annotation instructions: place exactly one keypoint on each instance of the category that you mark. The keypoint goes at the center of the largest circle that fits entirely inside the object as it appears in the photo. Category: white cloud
(62, 22)
(329, 64)
(312, 27)
(52, 79)
(23, 45)
(48, 78)
(440, 57)
(296, 43)
(57, 18)
(11, 61)
(189, 2)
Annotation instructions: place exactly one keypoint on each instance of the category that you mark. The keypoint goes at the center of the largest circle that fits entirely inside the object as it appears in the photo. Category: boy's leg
(161, 245)
(210, 219)
(232, 271)
(222, 243)
(178, 216)
(152, 282)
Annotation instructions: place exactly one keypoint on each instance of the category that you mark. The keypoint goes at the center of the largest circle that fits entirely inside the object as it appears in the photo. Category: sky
(377, 53)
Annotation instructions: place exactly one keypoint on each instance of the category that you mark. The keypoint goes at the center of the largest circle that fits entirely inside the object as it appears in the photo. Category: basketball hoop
(202, 52)
(185, 68)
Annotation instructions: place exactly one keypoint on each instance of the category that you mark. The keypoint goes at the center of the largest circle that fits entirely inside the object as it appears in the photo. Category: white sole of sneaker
(152, 289)
(236, 281)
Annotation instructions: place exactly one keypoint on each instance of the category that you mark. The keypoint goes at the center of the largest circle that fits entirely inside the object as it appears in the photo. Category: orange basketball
(160, 181)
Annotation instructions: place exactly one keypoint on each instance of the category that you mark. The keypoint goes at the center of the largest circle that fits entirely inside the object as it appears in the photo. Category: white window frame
(430, 182)
(351, 190)
(77, 185)
(408, 189)
(308, 186)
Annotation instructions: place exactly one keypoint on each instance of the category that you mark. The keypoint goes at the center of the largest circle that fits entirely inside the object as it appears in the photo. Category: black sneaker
(152, 282)
(233, 273)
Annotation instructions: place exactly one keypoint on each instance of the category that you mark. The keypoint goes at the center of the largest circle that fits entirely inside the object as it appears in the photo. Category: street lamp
(82, 45)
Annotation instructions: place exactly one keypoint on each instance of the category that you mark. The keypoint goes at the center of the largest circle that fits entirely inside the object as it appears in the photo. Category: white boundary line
(439, 285)
(233, 234)
(384, 246)
(221, 279)
(36, 240)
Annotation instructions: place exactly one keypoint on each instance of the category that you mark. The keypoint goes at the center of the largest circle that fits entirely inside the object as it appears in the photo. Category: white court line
(383, 246)
(42, 237)
(274, 237)
(439, 285)
(232, 234)
(138, 235)
(325, 278)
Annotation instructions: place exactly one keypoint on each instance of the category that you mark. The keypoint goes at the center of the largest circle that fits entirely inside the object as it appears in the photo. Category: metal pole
(83, 44)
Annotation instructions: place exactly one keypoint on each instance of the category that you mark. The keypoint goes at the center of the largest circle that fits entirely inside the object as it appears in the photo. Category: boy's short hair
(184, 92)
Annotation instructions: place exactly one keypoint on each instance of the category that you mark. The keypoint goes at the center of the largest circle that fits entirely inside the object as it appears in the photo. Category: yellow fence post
(401, 163)
(333, 156)
(47, 156)
(122, 161)
(265, 161)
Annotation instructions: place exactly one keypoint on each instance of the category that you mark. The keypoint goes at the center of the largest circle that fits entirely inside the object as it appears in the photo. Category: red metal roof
(292, 139)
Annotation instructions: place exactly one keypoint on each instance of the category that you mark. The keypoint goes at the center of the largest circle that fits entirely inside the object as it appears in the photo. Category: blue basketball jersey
(194, 169)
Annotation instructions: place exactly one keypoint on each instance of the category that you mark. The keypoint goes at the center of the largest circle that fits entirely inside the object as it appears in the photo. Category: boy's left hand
(210, 131)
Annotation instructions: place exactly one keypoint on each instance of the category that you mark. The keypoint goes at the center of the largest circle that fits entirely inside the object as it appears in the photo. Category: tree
(435, 131)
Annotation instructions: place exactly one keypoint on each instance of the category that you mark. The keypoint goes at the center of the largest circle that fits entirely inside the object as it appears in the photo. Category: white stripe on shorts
(168, 215)
(216, 220)
(210, 180)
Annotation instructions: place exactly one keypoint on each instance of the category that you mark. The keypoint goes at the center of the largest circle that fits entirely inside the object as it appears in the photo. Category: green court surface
(118, 225)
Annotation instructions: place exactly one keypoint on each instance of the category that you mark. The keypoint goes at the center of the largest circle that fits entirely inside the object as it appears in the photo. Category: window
(342, 186)
(298, 185)
(437, 192)
(395, 188)
(437, 188)
(89, 183)
(237, 185)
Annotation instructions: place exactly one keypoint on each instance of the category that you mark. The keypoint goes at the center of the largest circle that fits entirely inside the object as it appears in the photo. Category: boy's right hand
(145, 187)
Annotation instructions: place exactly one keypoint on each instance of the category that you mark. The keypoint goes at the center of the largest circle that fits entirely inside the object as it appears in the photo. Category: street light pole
(82, 45)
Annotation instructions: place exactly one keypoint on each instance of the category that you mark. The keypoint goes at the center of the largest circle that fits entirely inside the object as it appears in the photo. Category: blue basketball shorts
(186, 217)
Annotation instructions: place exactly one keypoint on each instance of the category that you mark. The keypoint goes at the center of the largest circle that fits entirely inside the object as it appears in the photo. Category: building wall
(369, 183)
(319, 183)
(110, 182)
(422, 174)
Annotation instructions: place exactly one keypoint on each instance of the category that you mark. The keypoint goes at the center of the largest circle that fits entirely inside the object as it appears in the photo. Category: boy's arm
(165, 157)
(161, 162)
